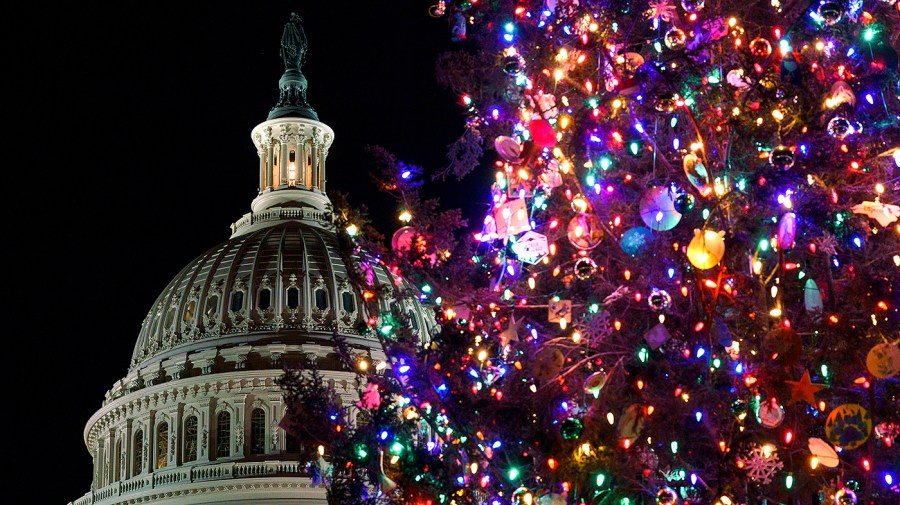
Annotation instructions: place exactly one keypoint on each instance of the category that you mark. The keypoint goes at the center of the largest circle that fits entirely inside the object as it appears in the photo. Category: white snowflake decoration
(761, 463)
(594, 327)
(661, 10)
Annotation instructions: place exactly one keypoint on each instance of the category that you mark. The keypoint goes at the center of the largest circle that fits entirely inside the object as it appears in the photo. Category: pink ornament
(787, 230)
(543, 134)
(371, 398)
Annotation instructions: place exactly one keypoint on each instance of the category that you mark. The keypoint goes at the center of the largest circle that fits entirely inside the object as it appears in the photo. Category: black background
(128, 154)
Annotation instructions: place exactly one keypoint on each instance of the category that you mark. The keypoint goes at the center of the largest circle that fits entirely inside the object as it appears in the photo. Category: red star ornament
(804, 389)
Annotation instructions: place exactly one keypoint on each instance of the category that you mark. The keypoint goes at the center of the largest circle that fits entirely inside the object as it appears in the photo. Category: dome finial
(292, 85)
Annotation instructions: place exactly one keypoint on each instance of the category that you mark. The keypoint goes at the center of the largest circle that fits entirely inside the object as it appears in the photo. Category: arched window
(212, 306)
(348, 301)
(258, 431)
(265, 299)
(223, 434)
(321, 298)
(117, 470)
(189, 311)
(162, 444)
(170, 317)
(237, 301)
(190, 439)
(293, 298)
(413, 320)
(137, 465)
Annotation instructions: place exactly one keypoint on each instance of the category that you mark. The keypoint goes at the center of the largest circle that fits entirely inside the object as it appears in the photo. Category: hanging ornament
(511, 333)
(402, 238)
(706, 249)
(660, 10)
(845, 496)
(884, 213)
(887, 432)
(437, 10)
(782, 345)
(692, 5)
(675, 39)
(848, 426)
(667, 495)
(666, 102)
(371, 398)
(551, 499)
(630, 425)
(659, 299)
(839, 94)
(542, 133)
(739, 409)
(509, 218)
(657, 336)
(458, 27)
(830, 13)
(782, 157)
(736, 78)
(791, 71)
(657, 209)
(684, 203)
(585, 231)
(546, 105)
(547, 363)
(531, 247)
(507, 148)
(804, 389)
(571, 428)
(840, 127)
(883, 360)
(594, 383)
(761, 463)
(787, 230)
(513, 64)
(770, 413)
(812, 296)
(637, 240)
(585, 268)
(697, 174)
(579, 204)
(823, 451)
(760, 48)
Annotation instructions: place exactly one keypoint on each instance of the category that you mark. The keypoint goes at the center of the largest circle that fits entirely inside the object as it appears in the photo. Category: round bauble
(823, 451)
(782, 345)
(840, 127)
(675, 39)
(830, 12)
(585, 231)
(579, 204)
(684, 203)
(659, 299)
(736, 78)
(692, 5)
(883, 360)
(845, 496)
(781, 158)
(513, 64)
(542, 132)
(887, 432)
(848, 426)
(770, 413)
(706, 249)
(548, 363)
(595, 382)
(666, 102)
(760, 48)
(657, 209)
(507, 148)
(571, 428)
(666, 496)
(584, 268)
(636, 240)
(739, 409)
(402, 238)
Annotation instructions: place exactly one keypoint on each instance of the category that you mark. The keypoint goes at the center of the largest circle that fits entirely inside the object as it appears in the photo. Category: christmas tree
(685, 288)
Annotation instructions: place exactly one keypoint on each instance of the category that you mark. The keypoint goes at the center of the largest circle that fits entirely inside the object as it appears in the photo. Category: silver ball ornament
(675, 39)
(781, 158)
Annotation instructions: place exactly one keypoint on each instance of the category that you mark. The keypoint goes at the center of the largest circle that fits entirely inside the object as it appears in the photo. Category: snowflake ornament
(594, 327)
(761, 463)
(661, 10)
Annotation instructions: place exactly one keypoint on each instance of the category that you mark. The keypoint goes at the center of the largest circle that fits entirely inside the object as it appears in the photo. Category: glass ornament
(692, 5)
(685, 202)
(840, 127)
(657, 209)
(675, 39)
(585, 268)
(739, 409)
(579, 204)
(659, 299)
(585, 231)
(830, 12)
(760, 47)
(666, 102)
(636, 240)
(706, 249)
(845, 496)
(542, 132)
(666, 496)
(781, 157)
(513, 64)
(770, 413)
(594, 383)
(571, 428)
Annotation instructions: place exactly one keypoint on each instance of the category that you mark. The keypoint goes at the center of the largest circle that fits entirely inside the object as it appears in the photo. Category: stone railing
(282, 213)
(205, 473)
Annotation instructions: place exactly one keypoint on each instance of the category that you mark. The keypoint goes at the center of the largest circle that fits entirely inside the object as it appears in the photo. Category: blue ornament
(636, 240)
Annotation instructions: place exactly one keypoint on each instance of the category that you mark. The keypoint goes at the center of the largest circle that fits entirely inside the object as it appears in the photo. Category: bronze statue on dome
(293, 44)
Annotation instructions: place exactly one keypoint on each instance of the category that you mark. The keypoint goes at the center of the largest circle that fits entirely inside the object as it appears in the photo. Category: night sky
(129, 129)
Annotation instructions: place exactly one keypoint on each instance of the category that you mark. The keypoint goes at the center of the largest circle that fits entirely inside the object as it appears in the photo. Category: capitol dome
(196, 418)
